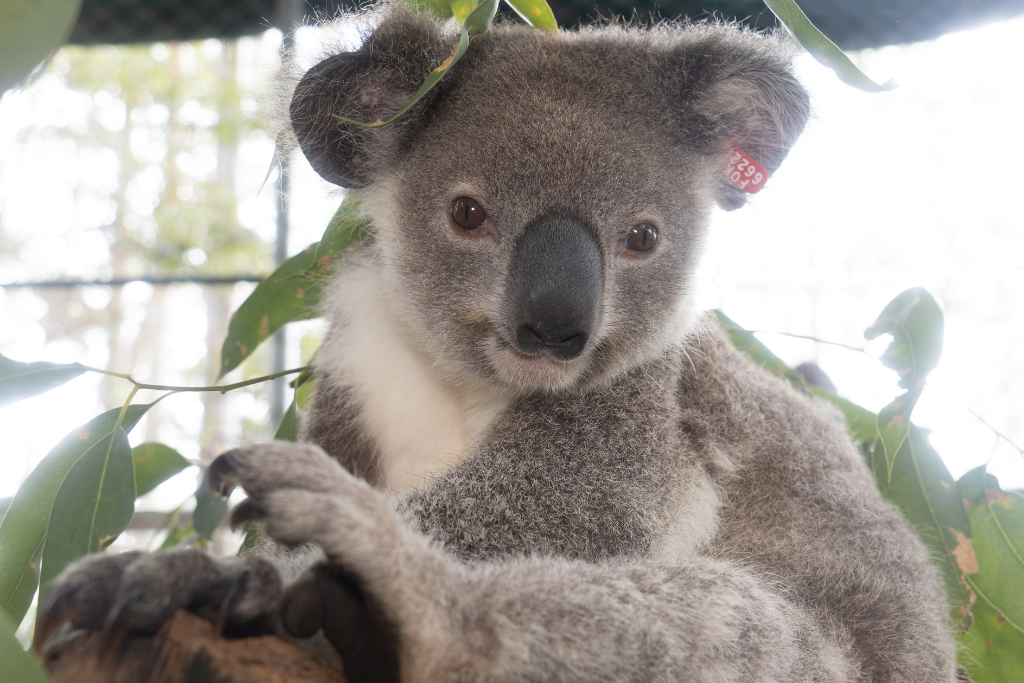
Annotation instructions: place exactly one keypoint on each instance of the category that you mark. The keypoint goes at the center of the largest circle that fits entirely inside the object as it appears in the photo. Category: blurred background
(136, 213)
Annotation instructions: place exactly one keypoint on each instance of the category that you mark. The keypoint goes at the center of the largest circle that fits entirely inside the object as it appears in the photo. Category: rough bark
(186, 650)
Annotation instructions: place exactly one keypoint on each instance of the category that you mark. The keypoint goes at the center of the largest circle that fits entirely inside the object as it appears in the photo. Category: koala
(529, 457)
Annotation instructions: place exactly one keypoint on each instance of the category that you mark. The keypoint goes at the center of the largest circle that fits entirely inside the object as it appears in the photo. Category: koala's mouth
(541, 370)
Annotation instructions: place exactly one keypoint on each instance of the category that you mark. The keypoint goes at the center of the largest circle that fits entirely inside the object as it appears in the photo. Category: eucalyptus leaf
(997, 525)
(24, 527)
(178, 535)
(210, 509)
(916, 324)
(18, 666)
(821, 48)
(920, 485)
(253, 535)
(21, 380)
(288, 430)
(749, 344)
(536, 13)
(476, 23)
(293, 291)
(31, 31)
(93, 505)
(155, 463)
(993, 650)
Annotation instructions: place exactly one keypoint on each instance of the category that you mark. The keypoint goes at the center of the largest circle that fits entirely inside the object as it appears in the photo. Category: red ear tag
(749, 175)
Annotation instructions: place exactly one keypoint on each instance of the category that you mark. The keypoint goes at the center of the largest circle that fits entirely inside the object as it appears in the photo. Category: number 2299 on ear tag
(748, 175)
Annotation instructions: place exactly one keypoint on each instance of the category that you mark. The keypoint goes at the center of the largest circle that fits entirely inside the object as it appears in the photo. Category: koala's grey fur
(656, 508)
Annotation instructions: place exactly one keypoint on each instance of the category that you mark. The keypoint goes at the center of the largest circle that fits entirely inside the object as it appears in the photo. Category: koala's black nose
(556, 287)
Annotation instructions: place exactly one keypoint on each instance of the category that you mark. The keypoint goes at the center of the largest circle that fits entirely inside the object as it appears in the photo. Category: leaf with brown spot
(292, 292)
(997, 528)
(916, 324)
(993, 650)
(963, 551)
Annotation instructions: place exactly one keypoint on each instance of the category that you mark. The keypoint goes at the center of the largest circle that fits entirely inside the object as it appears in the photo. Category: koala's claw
(220, 475)
(84, 595)
(134, 592)
(247, 511)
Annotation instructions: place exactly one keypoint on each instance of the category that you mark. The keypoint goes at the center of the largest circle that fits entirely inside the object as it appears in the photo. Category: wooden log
(186, 650)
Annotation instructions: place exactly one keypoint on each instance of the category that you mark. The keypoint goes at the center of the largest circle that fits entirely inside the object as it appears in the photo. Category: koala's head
(539, 216)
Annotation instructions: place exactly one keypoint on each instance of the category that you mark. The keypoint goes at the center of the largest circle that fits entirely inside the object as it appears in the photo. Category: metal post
(290, 18)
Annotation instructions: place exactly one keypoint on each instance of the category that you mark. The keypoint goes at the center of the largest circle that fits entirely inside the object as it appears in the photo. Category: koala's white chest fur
(421, 423)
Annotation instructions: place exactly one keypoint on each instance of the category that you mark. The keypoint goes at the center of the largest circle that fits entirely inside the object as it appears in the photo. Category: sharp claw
(247, 511)
(230, 600)
(221, 474)
(120, 621)
(58, 611)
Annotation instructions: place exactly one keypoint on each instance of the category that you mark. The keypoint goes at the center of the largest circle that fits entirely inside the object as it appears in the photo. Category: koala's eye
(641, 237)
(468, 213)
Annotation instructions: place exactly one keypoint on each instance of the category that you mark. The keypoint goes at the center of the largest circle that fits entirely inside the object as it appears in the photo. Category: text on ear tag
(749, 175)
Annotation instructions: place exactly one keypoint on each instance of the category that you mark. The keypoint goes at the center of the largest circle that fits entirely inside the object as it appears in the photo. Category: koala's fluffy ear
(367, 85)
(739, 88)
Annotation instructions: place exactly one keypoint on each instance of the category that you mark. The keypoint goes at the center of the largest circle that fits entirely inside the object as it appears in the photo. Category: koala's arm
(694, 619)
(715, 510)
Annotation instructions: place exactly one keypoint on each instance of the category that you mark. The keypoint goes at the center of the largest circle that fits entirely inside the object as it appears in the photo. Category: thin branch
(222, 388)
(995, 431)
(859, 349)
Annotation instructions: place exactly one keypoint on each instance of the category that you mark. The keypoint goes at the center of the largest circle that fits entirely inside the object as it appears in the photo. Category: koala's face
(540, 219)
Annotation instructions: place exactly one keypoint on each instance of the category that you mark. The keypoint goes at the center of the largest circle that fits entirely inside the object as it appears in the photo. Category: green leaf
(30, 31)
(746, 342)
(993, 650)
(915, 322)
(293, 291)
(178, 535)
(155, 463)
(210, 509)
(478, 21)
(821, 48)
(24, 527)
(93, 505)
(920, 485)
(253, 534)
(860, 421)
(18, 665)
(536, 13)
(21, 380)
(288, 430)
(997, 526)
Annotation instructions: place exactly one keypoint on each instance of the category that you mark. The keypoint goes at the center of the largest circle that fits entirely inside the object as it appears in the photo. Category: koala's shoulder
(728, 401)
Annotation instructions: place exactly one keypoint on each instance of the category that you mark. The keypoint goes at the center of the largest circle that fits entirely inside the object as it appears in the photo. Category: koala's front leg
(397, 608)
(383, 597)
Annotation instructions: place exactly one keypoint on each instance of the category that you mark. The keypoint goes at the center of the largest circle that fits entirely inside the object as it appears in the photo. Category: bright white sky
(884, 192)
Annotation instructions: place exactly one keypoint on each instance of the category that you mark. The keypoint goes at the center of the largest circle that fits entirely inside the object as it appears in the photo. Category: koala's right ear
(370, 84)
(739, 88)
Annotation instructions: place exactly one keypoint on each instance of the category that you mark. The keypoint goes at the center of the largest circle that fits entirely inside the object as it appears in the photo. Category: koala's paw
(135, 592)
(304, 496)
(380, 579)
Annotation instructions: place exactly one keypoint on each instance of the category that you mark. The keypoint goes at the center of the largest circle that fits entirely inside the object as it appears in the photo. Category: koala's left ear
(370, 84)
(738, 88)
